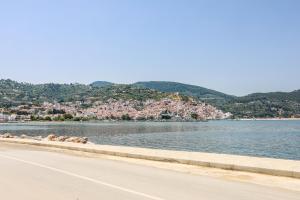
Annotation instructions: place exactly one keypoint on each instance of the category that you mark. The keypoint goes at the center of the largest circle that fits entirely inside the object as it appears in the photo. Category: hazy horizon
(235, 47)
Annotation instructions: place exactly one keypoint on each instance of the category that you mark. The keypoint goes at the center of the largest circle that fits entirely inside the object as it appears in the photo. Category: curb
(269, 166)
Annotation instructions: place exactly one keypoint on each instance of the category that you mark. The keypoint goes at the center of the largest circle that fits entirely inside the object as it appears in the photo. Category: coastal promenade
(31, 172)
(270, 166)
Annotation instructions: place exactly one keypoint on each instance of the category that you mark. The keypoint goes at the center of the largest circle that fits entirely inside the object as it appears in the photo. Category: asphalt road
(30, 174)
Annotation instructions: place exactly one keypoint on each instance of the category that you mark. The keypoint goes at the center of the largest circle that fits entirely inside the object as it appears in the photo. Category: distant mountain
(185, 89)
(273, 104)
(274, 96)
(101, 84)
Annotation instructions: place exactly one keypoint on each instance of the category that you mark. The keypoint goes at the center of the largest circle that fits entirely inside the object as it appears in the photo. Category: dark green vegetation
(101, 84)
(13, 93)
(209, 96)
(258, 105)
(188, 90)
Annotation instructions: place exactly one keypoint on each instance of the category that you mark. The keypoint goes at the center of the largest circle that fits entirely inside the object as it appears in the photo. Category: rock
(23, 136)
(39, 138)
(51, 137)
(83, 140)
(62, 138)
(72, 139)
(7, 135)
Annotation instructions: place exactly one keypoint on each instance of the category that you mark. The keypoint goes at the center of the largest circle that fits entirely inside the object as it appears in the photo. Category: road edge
(269, 166)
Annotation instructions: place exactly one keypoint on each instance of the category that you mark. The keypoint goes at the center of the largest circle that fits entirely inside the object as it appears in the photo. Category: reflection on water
(278, 139)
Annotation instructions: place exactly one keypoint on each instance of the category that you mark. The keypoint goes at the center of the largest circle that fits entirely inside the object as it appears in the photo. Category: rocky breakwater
(82, 140)
(51, 137)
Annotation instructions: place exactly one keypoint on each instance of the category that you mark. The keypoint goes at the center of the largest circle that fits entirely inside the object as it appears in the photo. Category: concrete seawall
(270, 166)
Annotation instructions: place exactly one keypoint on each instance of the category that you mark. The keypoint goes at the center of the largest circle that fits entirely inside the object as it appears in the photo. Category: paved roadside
(38, 174)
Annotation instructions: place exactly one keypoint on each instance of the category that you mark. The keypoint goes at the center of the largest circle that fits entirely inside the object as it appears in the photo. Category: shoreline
(268, 119)
(269, 166)
(154, 121)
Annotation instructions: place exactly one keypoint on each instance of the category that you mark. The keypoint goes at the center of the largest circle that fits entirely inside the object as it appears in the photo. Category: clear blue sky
(237, 47)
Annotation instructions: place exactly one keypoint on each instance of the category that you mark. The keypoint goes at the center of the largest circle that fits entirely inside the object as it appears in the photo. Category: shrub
(33, 118)
(48, 118)
(77, 119)
(126, 117)
(59, 118)
(194, 116)
(68, 116)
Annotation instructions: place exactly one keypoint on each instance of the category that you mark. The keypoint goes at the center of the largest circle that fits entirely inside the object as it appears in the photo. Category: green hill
(189, 90)
(275, 96)
(258, 105)
(215, 98)
(101, 84)
(13, 93)
(274, 104)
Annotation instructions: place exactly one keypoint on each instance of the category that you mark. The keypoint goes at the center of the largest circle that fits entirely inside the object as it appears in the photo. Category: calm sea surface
(277, 139)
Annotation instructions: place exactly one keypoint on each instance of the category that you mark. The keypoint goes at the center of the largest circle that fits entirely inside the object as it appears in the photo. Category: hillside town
(154, 110)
